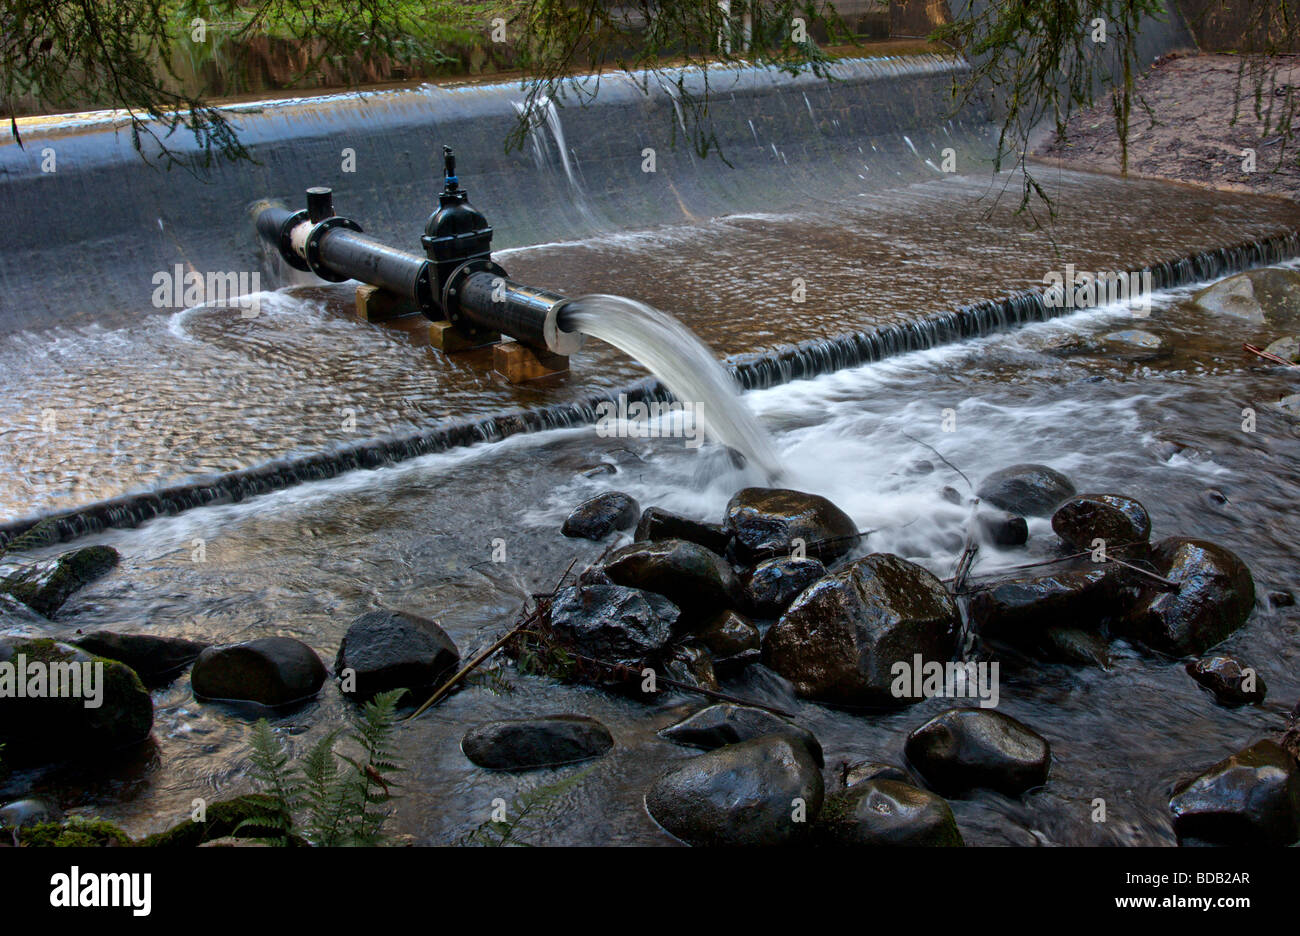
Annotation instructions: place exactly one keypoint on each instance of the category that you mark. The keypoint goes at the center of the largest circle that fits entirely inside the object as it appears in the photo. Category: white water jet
(682, 362)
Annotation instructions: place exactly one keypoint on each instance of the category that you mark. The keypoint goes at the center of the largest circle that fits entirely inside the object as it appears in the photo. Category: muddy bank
(1200, 116)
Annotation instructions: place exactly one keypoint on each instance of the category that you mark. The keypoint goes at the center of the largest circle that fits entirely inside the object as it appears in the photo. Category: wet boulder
(1229, 681)
(691, 665)
(1002, 529)
(1135, 344)
(659, 524)
(157, 660)
(614, 624)
(731, 636)
(1027, 490)
(60, 703)
(886, 813)
(1020, 607)
(596, 518)
(853, 774)
(757, 683)
(18, 620)
(1250, 798)
(267, 670)
(775, 583)
(726, 723)
(840, 639)
(758, 792)
(966, 748)
(1269, 296)
(45, 586)
(393, 650)
(24, 813)
(699, 582)
(1215, 595)
(1112, 518)
(528, 743)
(770, 522)
(1287, 348)
(1077, 646)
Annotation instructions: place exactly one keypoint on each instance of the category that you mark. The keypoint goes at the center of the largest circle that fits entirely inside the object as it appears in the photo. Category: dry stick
(1269, 356)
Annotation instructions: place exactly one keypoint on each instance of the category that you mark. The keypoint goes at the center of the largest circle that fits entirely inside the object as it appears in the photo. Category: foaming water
(685, 365)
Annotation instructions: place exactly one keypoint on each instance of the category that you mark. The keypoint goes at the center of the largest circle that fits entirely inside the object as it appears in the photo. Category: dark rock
(692, 665)
(1002, 529)
(1113, 518)
(600, 516)
(1076, 645)
(1215, 497)
(922, 466)
(729, 635)
(394, 650)
(18, 620)
(1027, 490)
(697, 581)
(766, 522)
(1083, 595)
(839, 640)
(45, 586)
(1229, 681)
(614, 624)
(155, 659)
(1214, 598)
(90, 716)
(757, 683)
(888, 813)
(861, 772)
(526, 743)
(1281, 599)
(728, 724)
(775, 583)
(952, 496)
(1250, 798)
(268, 670)
(965, 748)
(659, 524)
(748, 793)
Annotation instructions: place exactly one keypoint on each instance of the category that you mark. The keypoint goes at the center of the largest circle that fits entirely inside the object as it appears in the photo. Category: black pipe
(523, 312)
(456, 281)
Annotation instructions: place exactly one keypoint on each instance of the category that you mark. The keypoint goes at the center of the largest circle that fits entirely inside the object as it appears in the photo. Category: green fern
(521, 815)
(340, 797)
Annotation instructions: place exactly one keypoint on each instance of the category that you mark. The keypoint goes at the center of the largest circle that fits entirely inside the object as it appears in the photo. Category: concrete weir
(787, 139)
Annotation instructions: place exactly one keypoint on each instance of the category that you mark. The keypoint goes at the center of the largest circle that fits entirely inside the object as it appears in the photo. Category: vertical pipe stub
(320, 204)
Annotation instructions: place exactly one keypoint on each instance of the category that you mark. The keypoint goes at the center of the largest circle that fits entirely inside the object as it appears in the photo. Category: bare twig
(1269, 356)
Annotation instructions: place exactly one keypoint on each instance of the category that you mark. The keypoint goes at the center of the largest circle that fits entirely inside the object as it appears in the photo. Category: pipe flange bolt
(312, 247)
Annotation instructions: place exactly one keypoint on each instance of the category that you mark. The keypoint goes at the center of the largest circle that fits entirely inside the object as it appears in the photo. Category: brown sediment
(1204, 113)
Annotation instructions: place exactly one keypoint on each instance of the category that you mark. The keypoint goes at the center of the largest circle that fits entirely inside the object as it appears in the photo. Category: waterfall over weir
(803, 361)
(682, 362)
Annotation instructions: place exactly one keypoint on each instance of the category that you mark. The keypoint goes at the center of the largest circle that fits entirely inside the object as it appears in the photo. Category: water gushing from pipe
(682, 362)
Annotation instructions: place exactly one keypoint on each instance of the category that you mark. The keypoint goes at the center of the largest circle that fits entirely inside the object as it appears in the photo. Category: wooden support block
(380, 305)
(519, 362)
(416, 327)
(448, 339)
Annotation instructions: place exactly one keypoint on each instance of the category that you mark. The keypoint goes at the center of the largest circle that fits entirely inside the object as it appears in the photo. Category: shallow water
(419, 536)
(91, 412)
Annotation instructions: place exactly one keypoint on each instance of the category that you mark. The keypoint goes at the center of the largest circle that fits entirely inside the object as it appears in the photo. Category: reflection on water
(419, 536)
